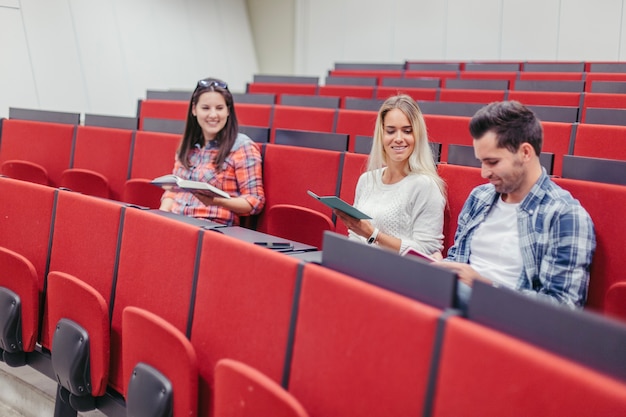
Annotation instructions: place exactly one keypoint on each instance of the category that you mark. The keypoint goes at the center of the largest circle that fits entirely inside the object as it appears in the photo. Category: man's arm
(563, 269)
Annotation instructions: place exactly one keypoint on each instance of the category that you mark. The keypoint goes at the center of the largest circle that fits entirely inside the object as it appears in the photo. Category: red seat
(298, 223)
(446, 130)
(281, 88)
(302, 118)
(600, 141)
(608, 260)
(153, 155)
(557, 139)
(91, 313)
(510, 76)
(602, 101)
(308, 169)
(475, 361)
(25, 171)
(460, 181)
(86, 181)
(19, 276)
(428, 94)
(156, 272)
(353, 166)
(101, 162)
(174, 357)
(354, 123)
(250, 114)
(546, 98)
(162, 109)
(348, 359)
(25, 223)
(471, 96)
(48, 145)
(241, 390)
(558, 76)
(378, 73)
(343, 91)
(243, 309)
(615, 300)
(602, 76)
(93, 264)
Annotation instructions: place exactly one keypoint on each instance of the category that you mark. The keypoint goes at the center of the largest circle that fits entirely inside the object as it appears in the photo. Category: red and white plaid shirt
(241, 177)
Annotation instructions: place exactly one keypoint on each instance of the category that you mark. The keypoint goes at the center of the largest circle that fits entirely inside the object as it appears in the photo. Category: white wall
(100, 56)
(272, 25)
(328, 31)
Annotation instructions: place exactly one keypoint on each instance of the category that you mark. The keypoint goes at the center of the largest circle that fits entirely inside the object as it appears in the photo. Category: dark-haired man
(520, 231)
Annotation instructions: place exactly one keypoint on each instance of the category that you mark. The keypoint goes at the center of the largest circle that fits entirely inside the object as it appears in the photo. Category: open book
(172, 182)
(409, 251)
(337, 203)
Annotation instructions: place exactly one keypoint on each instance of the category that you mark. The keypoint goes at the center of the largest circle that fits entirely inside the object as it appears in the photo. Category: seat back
(91, 314)
(278, 88)
(243, 309)
(175, 358)
(353, 166)
(252, 114)
(93, 264)
(19, 276)
(558, 139)
(302, 118)
(475, 360)
(156, 272)
(337, 367)
(460, 181)
(241, 390)
(609, 225)
(162, 109)
(25, 223)
(309, 139)
(600, 141)
(609, 171)
(153, 155)
(25, 171)
(309, 169)
(471, 96)
(49, 145)
(354, 123)
(446, 130)
(298, 223)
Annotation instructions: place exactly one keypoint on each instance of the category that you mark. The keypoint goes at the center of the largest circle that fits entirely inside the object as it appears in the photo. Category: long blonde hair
(421, 159)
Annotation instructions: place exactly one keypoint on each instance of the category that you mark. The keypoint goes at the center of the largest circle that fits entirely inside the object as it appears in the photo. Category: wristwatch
(373, 237)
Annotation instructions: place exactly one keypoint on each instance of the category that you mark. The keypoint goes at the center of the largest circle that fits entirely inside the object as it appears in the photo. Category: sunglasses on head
(212, 83)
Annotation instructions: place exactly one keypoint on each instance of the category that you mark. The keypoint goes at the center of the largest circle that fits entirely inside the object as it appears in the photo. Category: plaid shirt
(241, 177)
(557, 240)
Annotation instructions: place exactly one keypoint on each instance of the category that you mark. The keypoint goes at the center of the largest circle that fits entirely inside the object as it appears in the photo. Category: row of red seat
(581, 100)
(290, 171)
(149, 289)
(325, 173)
(599, 141)
(511, 76)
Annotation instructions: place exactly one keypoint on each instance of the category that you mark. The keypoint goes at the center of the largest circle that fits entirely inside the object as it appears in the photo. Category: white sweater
(411, 209)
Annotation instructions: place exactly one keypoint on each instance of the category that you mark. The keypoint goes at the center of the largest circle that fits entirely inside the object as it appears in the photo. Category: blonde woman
(401, 189)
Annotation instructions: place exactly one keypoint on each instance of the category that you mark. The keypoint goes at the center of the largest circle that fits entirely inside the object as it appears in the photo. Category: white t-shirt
(494, 249)
(411, 209)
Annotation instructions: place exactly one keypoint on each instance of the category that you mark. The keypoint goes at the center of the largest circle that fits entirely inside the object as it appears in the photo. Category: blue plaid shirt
(557, 240)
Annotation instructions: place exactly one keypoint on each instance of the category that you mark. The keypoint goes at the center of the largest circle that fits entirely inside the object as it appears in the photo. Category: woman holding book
(213, 151)
(401, 189)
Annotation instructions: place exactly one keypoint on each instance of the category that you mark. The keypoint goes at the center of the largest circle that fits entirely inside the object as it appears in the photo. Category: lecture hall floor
(24, 392)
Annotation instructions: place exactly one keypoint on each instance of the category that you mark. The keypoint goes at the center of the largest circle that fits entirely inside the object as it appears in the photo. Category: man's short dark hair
(512, 122)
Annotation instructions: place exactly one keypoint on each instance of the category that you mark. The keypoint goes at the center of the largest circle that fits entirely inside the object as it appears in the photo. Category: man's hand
(465, 272)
